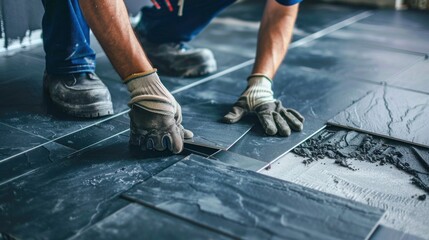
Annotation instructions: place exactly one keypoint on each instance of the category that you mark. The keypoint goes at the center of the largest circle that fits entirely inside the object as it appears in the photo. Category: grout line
(19, 176)
(295, 44)
(66, 157)
(30, 133)
(330, 29)
(393, 49)
(290, 149)
(219, 74)
(68, 134)
(93, 144)
(25, 54)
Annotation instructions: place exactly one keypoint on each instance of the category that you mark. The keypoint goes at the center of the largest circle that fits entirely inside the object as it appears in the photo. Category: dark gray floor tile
(415, 78)
(383, 232)
(93, 134)
(58, 150)
(21, 92)
(256, 144)
(235, 31)
(226, 35)
(202, 110)
(250, 205)
(250, 10)
(313, 17)
(383, 36)
(26, 162)
(391, 113)
(238, 161)
(18, 66)
(352, 59)
(135, 222)
(14, 141)
(46, 125)
(203, 118)
(410, 19)
(64, 198)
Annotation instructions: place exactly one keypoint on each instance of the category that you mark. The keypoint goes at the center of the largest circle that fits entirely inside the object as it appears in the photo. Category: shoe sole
(198, 71)
(93, 110)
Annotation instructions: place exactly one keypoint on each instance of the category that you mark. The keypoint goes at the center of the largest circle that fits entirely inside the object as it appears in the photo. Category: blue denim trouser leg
(162, 26)
(66, 38)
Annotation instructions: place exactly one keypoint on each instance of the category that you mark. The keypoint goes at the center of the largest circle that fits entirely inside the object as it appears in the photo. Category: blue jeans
(66, 33)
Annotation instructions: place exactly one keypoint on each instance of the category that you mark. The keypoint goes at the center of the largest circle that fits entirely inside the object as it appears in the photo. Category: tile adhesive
(346, 146)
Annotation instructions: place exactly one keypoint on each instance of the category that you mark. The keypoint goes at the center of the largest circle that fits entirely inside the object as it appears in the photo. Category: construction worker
(163, 31)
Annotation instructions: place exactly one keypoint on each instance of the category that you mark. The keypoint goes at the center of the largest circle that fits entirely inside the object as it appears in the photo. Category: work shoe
(80, 94)
(180, 59)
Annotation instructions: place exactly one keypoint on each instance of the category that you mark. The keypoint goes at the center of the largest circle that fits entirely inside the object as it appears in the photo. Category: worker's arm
(274, 36)
(155, 115)
(109, 21)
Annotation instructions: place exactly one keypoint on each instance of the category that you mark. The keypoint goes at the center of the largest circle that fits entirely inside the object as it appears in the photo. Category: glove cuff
(138, 75)
(260, 81)
(148, 92)
(259, 75)
(258, 91)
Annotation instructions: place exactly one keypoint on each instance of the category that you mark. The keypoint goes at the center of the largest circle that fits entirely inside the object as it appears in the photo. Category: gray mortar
(346, 145)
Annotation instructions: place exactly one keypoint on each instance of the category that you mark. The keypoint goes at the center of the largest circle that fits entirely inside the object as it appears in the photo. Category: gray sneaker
(180, 59)
(80, 95)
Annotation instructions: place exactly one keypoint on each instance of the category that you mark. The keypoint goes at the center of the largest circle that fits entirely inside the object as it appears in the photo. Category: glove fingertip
(299, 127)
(271, 131)
(177, 136)
(285, 133)
(188, 134)
(230, 118)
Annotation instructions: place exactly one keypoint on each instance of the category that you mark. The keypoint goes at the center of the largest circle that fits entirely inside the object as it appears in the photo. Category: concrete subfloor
(380, 186)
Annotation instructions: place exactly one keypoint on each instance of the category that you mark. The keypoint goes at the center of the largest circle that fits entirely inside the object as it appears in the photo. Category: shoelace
(180, 4)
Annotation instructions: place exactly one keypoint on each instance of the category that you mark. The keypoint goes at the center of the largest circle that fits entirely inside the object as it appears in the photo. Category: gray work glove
(155, 115)
(258, 98)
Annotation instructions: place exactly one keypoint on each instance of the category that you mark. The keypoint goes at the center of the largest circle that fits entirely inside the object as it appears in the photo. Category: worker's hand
(155, 115)
(258, 98)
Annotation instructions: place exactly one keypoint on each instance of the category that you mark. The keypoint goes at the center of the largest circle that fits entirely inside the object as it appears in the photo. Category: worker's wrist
(259, 75)
(139, 75)
(258, 79)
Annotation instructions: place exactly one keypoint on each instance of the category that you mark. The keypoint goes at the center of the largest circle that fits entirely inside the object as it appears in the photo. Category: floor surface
(57, 169)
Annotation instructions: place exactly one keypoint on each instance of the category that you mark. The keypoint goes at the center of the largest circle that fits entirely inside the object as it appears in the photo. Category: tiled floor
(62, 177)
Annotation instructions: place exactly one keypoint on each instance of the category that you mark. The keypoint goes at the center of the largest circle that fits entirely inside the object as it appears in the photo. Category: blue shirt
(288, 2)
